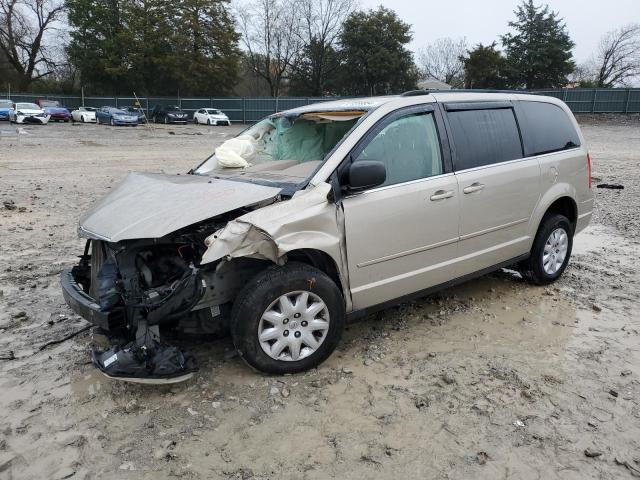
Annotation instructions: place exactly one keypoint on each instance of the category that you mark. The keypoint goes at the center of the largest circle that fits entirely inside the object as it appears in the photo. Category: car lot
(492, 379)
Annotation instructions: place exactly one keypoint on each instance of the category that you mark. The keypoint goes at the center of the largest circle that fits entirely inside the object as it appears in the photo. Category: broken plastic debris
(133, 363)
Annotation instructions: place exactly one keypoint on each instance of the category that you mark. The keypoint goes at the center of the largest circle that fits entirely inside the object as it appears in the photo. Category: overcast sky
(484, 20)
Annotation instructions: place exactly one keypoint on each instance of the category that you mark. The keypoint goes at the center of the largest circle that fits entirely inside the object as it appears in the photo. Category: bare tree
(442, 60)
(618, 57)
(320, 29)
(270, 33)
(25, 28)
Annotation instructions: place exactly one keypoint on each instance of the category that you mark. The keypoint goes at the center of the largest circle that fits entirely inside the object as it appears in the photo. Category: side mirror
(365, 174)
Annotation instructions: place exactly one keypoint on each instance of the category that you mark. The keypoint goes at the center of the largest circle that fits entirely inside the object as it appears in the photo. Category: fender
(307, 221)
(556, 191)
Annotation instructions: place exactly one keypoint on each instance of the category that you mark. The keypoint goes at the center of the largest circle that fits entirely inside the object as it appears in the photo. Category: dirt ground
(493, 379)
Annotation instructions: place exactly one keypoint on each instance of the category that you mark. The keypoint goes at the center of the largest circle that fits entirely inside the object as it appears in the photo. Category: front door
(402, 236)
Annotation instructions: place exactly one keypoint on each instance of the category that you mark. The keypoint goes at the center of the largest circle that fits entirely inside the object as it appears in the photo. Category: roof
(364, 104)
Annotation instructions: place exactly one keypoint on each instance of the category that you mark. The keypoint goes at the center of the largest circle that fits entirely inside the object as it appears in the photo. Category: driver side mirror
(365, 174)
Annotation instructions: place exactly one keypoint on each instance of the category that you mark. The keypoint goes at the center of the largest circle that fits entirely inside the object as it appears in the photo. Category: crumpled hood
(152, 205)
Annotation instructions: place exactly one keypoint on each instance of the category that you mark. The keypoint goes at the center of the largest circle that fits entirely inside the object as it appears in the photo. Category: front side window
(484, 137)
(408, 147)
(549, 128)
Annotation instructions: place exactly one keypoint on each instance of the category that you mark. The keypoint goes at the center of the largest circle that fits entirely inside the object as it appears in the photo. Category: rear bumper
(87, 307)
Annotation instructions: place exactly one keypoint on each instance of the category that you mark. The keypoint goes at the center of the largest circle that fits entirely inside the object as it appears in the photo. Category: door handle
(474, 187)
(441, 195)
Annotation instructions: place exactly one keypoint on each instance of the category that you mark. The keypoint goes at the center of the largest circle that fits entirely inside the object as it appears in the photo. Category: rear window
(484, 137)
(549, 129)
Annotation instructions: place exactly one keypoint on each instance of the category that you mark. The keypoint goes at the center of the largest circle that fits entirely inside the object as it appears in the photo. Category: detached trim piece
(461, 106)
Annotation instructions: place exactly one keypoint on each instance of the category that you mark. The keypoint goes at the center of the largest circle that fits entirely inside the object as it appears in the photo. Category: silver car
(331, 211)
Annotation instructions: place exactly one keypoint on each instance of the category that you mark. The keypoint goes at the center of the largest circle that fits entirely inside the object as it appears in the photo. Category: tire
(263, 291)
(533, 269)
(111, 122)
(208, 121)
(195, 120)
(166, 121)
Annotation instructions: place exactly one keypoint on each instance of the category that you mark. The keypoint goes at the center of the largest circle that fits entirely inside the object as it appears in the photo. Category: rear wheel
(195, 120)
(287, 319)
(550, 252)
(113, 124)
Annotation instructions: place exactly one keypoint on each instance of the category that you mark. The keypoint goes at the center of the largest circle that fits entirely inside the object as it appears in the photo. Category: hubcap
(555, 251)
(293, 326)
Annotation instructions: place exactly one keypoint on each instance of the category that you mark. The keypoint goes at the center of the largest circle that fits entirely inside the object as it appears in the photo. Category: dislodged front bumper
(85, 306)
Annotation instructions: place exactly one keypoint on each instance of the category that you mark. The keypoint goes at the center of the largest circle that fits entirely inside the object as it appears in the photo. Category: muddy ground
(493, 379)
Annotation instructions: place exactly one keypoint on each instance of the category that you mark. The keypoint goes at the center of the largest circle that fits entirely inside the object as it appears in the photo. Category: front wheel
(287, 319)
(550, 252)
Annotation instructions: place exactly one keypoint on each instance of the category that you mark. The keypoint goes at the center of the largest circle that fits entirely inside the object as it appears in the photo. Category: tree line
(282, 47)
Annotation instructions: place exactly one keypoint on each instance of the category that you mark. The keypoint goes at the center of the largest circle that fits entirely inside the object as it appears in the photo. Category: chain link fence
(252, 109)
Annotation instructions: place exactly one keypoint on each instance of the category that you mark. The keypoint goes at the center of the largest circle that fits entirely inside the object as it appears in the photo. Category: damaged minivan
(324, 213)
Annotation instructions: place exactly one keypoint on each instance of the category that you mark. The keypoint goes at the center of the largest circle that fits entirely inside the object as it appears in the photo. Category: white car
(84, 115)
(210, 116)
(29, 113)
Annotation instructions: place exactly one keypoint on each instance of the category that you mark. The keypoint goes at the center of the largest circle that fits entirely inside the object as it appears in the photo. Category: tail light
(589, 167)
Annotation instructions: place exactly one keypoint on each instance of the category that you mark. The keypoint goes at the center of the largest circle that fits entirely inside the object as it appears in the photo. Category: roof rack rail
(428, 91)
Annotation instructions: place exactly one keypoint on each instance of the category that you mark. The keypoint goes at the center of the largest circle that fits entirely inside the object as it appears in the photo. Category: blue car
(115, 116)
(5, 106)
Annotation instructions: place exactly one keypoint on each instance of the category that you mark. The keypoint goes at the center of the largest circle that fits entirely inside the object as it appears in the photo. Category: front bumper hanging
(85, 306)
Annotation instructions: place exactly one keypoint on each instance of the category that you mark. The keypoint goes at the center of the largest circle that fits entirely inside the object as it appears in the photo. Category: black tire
(195, 120)
(261, 291)
(532, 269)
(208, 121)
(112, 123)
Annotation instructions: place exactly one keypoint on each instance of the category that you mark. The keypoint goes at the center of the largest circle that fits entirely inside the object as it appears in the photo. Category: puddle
(595, 237)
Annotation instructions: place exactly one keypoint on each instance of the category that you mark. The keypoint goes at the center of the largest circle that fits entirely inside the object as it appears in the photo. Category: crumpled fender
(306, 221)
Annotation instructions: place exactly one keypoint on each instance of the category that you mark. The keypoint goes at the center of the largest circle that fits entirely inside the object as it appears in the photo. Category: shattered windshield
(282, 147)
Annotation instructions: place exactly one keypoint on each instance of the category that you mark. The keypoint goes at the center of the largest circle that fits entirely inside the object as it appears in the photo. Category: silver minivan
(328, 212)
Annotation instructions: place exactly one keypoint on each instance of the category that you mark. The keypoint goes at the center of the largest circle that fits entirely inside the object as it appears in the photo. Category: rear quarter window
(484, 137)
(547, 129)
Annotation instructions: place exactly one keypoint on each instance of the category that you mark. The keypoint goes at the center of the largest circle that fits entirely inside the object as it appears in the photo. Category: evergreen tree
(375, 59)
(154, 46)
(485, 67)
(208, 56)
(539, 51)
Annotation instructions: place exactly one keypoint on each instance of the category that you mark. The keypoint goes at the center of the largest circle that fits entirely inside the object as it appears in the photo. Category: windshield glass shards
(282, 148)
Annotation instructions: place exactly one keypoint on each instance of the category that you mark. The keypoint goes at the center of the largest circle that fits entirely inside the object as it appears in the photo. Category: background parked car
(27, 113)
(210, 116)
(168, 114)
(142, 117)
(57, 112)
(115, 116)
(5, 106)
(84, 115)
